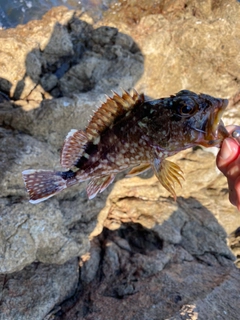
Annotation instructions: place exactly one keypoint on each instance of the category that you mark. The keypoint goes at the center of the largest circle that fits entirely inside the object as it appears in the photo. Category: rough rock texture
(33, 292)
(150, 257)
(134, 274)
(186, 44)
(63, 55)
(60, 53)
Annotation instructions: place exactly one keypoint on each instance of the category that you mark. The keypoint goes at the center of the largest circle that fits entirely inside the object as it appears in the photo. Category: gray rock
(33, 292)
(49, 81)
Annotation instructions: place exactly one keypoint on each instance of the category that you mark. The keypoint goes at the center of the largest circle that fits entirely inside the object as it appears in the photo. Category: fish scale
(132, 132)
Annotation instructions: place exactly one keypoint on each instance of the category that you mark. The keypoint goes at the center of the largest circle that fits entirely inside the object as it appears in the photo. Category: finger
(234, 192)
(228, 153)
(233, 197)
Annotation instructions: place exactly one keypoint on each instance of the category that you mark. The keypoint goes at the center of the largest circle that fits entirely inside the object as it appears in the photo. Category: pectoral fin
(167, 173)
(139, 169)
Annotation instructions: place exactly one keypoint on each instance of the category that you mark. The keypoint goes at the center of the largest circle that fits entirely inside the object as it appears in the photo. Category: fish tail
(43, 184)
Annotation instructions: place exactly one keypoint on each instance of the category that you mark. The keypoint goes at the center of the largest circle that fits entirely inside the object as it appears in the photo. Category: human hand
(228, 162)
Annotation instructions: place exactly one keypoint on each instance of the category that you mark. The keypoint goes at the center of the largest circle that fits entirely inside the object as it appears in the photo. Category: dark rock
(33, 292)
(49, 81)
(159, 283)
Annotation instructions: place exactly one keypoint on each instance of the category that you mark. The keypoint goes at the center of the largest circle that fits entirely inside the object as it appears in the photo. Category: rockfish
(132, 132)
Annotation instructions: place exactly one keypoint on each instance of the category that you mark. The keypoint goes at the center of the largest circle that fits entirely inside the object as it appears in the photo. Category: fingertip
(228, 153)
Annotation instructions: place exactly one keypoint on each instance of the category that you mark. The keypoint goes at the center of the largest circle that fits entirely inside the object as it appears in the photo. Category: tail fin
(43, 184)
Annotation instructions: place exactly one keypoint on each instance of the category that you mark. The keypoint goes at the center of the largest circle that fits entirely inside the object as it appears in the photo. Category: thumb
(227, 154)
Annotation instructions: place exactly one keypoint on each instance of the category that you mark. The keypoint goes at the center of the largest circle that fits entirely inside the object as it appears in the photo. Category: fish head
(196, 119)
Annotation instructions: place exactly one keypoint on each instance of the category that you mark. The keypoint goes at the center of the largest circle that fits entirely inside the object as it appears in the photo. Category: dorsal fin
(77, 140)
(110, 110)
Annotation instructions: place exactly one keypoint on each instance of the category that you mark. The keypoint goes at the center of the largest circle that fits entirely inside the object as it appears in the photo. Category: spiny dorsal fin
(110, 110)
(73, 148)
(76, 140)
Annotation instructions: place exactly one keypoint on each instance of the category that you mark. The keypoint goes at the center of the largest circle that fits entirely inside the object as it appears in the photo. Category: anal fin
(73, 148)
(167, 173)
(138, 170)
(98, 185)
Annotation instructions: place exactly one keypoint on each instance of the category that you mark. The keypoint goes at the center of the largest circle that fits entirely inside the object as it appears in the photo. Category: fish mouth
(215, 123)
(215, 130)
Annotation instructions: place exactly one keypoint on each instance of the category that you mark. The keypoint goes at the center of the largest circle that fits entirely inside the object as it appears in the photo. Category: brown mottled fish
(129, 131)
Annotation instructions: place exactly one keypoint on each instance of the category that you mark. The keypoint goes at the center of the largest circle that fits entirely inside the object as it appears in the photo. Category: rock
(32, 132)
(37, 289)
(30, 233)
(150, 278)
(49, 81)
(186, 45)
(61, 51)
(149, 257)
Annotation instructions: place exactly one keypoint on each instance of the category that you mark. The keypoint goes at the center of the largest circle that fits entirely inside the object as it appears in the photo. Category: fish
(131, 132)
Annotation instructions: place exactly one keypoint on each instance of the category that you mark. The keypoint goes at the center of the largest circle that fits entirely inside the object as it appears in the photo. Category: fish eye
(187, 110)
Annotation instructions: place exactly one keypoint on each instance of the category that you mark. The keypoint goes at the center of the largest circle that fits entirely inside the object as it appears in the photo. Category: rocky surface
(134, 274)
(150, 257)
(69, 52)
(27, 294)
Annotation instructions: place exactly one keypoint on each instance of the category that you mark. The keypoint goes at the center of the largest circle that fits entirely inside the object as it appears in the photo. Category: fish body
(130, 131)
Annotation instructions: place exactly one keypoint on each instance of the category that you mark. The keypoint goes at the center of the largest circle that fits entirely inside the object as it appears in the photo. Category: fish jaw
(215, 129)
(215, 119)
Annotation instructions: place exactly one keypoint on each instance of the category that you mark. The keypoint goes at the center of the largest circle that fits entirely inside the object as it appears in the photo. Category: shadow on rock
(140, 273)
(76, 64)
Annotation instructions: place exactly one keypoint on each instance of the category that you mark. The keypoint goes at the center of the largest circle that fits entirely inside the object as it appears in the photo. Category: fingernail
(226, 150)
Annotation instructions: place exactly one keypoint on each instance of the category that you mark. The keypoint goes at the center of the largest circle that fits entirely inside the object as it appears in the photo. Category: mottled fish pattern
(132, 132)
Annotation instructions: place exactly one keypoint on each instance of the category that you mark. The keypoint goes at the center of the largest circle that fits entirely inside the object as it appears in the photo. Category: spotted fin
(116, 106)
(138, 170)
(98, 185)
(167, 173)
(77, 140)
(43, 184)
(73, 148)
